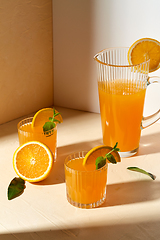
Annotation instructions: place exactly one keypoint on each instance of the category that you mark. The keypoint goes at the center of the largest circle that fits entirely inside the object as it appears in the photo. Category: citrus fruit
(145, 49)
(98, 151)
(32, 161)
(43, 115)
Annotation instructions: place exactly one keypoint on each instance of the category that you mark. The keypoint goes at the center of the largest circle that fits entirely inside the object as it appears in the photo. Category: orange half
(33, 161)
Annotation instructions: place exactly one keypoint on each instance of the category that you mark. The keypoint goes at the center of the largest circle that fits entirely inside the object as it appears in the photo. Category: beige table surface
(132, 207)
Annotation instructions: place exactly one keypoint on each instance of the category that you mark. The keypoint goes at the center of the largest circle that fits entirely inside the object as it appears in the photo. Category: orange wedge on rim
(98, 151)
(33, 161)
(43, 115)
(145, 49)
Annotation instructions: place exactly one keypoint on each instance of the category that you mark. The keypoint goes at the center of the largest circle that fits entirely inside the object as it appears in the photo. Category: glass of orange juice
(26, 133)
(122, 89)
(85, 186)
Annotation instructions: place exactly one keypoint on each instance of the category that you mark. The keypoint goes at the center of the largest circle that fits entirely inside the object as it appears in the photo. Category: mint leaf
(15, 188)
(142, 171)
(115, 145)
(117, 149)
(111, 158)
(100, 162)
(53, 119)
(56, 120)
(48, 126)
(50, 119)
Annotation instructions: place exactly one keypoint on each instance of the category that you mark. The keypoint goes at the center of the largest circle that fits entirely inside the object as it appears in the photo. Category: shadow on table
(117, 194)
(149, 144)
(132, 192)
(143, 230)
(57, 174)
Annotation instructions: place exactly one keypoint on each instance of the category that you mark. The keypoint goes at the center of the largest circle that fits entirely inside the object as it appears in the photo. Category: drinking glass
(86, 188)
(26, 133)
(122, 89)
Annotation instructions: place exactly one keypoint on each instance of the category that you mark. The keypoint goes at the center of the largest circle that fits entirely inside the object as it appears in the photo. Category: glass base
(129, 153)
(88, 205)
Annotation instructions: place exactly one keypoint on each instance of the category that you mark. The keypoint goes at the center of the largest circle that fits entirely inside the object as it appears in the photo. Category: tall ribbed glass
(122, 89)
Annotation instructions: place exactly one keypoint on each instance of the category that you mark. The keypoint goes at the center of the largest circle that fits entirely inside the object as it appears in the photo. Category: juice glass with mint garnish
(42, 127)
(85, 186)
(26, 133)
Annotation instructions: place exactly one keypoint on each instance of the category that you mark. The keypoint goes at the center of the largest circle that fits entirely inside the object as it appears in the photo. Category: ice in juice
(121, 107)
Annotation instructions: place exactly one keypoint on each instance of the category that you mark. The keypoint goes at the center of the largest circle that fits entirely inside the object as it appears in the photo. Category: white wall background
(81, 28)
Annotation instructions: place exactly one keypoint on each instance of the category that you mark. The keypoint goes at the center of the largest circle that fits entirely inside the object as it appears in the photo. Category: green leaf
(142, 171)
(15, 188)
(115, 148)
(55, 114)
(111, 158)
(50, 119)
(115, 145)
(48, 126)
(100, 162)
(56, 120)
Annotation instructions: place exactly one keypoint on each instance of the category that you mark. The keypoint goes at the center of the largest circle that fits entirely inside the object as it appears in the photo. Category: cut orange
(43, 115)
(33, 161)
(145, 49)
(98, 151)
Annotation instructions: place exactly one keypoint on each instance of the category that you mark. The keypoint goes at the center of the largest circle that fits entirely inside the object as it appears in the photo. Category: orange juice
(26, 133)
(86, 186)
(121, 107)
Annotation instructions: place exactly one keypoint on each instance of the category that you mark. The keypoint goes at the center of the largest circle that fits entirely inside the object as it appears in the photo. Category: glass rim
(82, 171)
(114, 65)
(28, 120)
(24, 119)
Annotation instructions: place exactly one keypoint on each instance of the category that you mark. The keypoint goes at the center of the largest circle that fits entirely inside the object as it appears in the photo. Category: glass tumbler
(26, 133)
(85, 188)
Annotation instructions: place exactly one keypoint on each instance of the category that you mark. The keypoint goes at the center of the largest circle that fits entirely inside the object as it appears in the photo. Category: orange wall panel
(26, 57)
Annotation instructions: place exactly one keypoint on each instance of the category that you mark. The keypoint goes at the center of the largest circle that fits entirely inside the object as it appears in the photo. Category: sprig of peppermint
(136, 169)
(101, 161)
(48, 126)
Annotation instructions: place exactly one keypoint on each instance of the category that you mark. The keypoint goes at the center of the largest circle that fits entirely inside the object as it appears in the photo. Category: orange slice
(98, 151)
(43, 115)
(145, 49)
(32, 161)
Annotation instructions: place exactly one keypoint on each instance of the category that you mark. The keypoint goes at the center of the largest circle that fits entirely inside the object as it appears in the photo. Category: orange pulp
(121, 107)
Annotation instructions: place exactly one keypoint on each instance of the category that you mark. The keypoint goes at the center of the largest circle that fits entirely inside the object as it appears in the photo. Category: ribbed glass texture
(122, 89)
(85, 189)
(26, 133)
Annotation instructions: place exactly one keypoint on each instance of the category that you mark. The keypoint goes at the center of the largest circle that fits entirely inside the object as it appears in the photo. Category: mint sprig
(136, 169)
(101, 161)
(48, 126)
